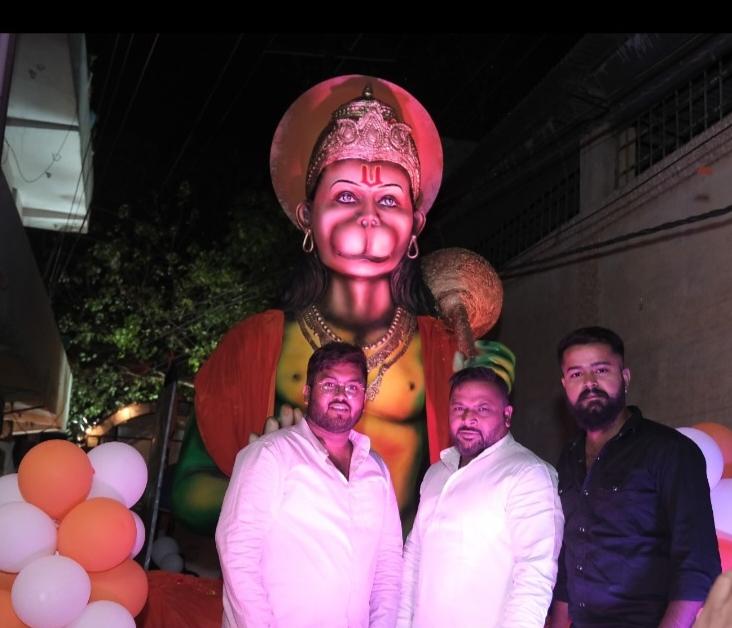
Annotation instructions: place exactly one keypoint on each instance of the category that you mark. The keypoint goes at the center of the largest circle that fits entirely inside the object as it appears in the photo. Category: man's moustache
(593, 391)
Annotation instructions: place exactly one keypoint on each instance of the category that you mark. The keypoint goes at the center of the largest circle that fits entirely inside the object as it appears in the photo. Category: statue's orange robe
(235, 388)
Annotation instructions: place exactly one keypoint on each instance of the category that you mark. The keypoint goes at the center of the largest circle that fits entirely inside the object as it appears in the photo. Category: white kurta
(301, 545)
(484, 547)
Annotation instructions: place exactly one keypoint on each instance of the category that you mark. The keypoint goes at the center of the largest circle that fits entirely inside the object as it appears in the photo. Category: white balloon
(121, 467)
(163, 546)
(26, 533)
(104, 614)
(102, 489)
(140, 531)
(722, 505)
(51, 592)
(172, 562)
(712, 453)
(9, 491)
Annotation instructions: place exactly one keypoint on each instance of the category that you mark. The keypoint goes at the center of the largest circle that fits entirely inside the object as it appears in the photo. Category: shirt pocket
(627, 502)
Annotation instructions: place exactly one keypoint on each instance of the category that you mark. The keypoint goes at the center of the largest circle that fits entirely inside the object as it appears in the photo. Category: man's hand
(559, 617)
(717, 611)
(288, 416)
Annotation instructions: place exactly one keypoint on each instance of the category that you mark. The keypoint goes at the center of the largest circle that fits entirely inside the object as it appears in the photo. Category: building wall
(669, 296)
(34, 370)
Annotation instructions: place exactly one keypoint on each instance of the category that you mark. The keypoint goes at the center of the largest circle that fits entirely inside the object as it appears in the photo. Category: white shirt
(301, 545)
(484, 547)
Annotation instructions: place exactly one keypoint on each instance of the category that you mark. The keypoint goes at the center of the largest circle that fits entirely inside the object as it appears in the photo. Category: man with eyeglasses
(309, 533)
(483, 550)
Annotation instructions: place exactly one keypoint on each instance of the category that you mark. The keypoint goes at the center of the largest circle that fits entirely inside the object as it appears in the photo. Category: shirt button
(616, 488)
(580, 568)
(582, 605)
(585, 492)
(582, 529)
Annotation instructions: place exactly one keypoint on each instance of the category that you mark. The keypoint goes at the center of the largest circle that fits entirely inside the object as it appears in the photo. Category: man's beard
(599, 412)
(331, 420)
(471, 448)
(480, 442)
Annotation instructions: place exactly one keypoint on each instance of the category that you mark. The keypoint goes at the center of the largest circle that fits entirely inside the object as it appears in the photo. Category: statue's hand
(288, 416)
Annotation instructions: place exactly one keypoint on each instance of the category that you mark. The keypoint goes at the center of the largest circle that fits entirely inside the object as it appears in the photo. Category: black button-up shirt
(639, 530)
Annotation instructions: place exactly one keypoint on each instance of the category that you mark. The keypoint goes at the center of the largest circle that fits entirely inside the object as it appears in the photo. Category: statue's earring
(413, 250)
(308, 244)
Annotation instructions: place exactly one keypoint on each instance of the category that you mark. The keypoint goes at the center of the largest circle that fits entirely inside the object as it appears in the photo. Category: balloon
(140, 538)
(102, 489)
(99, 534)
(121, 467)
(26, 533)
(55, 476)
(723, 436)
(710, 449)
(722, 505)
(163, 546)
(6, 581)
(9, 491)
(8, 618)
(725, 550)
(172, 562)
(125, 584)
(51, 592)
(104, 614)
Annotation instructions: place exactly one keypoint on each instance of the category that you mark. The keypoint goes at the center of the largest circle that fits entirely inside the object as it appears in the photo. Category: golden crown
(369, 129)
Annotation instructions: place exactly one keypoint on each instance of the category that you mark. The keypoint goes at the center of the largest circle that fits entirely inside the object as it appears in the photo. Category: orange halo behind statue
(300, 127)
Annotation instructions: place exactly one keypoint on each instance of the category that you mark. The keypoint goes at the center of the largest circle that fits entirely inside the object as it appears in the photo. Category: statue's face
(361, 217)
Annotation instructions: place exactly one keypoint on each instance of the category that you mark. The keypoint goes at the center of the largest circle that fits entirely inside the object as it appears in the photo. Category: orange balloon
(125, 584)
(723, 437)
(98, 534)
(8, 618)
(55, 476)
(6, 581)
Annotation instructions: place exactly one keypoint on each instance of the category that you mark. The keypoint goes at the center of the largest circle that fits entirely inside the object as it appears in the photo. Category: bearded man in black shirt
(640, 548)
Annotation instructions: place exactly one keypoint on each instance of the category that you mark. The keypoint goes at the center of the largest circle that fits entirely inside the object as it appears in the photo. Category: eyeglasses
(350, 389)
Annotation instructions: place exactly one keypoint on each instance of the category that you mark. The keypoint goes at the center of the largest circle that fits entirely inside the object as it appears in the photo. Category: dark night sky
(205, 107)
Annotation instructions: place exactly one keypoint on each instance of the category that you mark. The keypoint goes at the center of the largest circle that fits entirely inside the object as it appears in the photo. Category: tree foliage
(156, 283)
